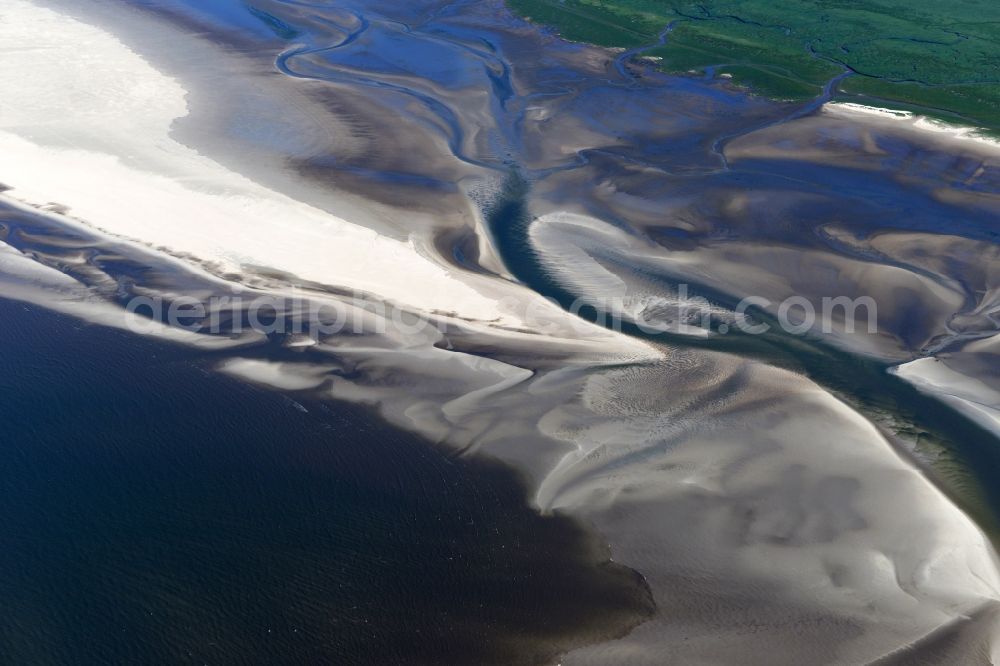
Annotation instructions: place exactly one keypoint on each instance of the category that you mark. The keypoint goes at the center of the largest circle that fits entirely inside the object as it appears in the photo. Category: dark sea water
(155, 512)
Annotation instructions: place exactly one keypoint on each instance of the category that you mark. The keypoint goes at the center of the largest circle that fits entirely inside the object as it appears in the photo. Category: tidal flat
(783, 498)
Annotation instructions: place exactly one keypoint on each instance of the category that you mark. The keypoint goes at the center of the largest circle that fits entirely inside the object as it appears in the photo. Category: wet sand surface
(460, 164)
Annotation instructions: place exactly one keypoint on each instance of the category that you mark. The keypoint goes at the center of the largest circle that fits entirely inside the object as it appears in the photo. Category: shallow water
(155, 512)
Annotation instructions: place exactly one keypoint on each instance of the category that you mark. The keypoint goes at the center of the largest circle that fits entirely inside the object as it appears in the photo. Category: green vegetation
(930, 54)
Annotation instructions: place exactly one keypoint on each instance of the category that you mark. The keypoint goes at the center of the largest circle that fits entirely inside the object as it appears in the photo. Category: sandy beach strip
(932, 126)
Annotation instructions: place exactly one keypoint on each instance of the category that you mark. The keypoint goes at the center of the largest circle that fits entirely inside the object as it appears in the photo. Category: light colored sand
(591, 257)
(967, 392)
(24, 279)
(959, 133)
(97, 138)
(773, 524)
